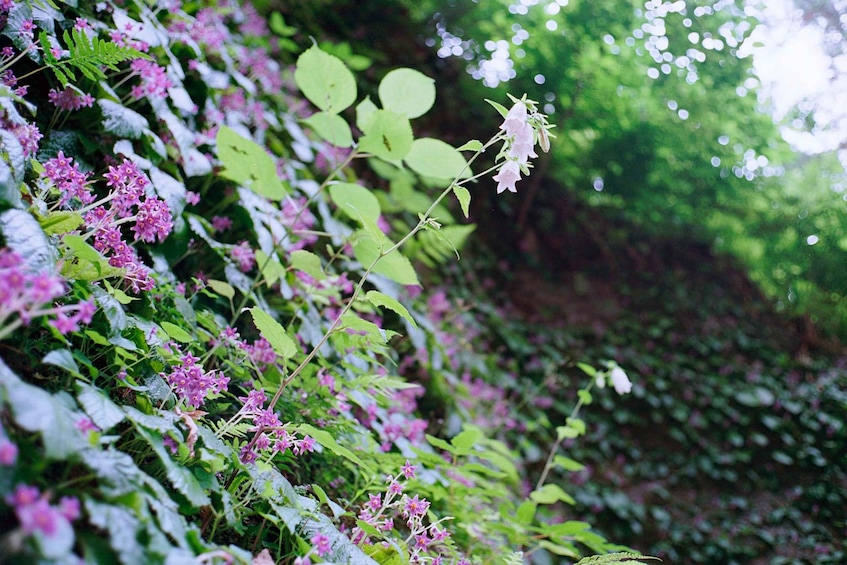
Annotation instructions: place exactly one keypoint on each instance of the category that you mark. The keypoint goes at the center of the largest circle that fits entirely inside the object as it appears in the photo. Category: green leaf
(272, 270)
(499, 107)
(587, 369)
(180, 477)
(440, 443)
(325, 439)
(549, 494)
(60, 222)
(248, 164)
(273, 331)
(407, 92)
(433, 158)
(278, 26)
(394, 265)
(388, 135)
(472, 145)
(567, 463)
(325, 80)
(87, 54)
(355, 201)
(331, 128)
(307, 262)
(465, 440)
(365, 112)
(526, 512)
(565, 549)
(378, 298)
(463, 195)
(222, 288)
(62, 358)
(177, 333)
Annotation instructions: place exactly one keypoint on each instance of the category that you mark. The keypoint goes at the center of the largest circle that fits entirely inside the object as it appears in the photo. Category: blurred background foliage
(671, 228)
(659, 115)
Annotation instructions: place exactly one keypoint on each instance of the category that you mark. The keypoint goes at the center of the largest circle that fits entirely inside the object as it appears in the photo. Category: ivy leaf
(180, 477)
(325, 80)
(122, 121)
(407, 92)
(102, 411)
(248, 164)
(273, 331)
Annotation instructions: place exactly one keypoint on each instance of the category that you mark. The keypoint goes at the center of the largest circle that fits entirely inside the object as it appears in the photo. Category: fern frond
(221, 429)
(515, 558)
(620, 558)
(87, 55)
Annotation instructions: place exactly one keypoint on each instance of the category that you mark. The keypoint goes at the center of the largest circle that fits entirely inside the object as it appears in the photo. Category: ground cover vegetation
(235, 328)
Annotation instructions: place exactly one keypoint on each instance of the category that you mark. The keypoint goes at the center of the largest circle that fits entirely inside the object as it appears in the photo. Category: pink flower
(515, 119)
(620, 381)
(408, 470)
(8, 452)
(321, 544)
(509, 174)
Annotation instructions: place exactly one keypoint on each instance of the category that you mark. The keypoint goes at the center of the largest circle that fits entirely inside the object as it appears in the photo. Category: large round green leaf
(433, 158)
(388, 135)
(325, 80)
(407, 92)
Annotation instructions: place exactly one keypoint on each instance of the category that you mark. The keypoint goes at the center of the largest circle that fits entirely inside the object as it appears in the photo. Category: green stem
(549, 464)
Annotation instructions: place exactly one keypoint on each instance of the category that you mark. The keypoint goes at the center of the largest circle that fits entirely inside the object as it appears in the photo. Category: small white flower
(620, 381)
(509, 174)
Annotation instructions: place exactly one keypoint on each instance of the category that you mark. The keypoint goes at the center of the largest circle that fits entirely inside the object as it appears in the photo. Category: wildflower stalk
(549, 464)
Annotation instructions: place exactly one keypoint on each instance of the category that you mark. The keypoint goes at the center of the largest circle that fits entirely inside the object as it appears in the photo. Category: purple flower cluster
(243, 256)
(192, 383)
(154, 79)
(25, 293)
(428, 543)
(70, 99)
(36, 514)
(271, 434)
(296, 216)
(127, 202)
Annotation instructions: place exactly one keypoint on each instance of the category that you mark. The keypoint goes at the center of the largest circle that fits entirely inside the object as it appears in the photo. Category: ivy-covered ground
(234, 329)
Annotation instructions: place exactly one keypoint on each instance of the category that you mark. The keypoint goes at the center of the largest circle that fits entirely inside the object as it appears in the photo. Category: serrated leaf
(567, 463)
(549, 494)
(325, 80)
(307, 262)
(472, 145)
(355, 201)
(440, 443)
(222, 288)
(365, 113)
(465, 440)
(434, 158)
(273, 331)
(378, 298)
(388, 135)
(463, 195)
(394, 265)
(248, 164)
(332, 128)
(407, 92)
(60, 222)
(177, 333)
(326, 440)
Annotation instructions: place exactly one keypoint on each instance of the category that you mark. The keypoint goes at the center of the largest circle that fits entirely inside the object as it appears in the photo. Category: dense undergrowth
(214, 351)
